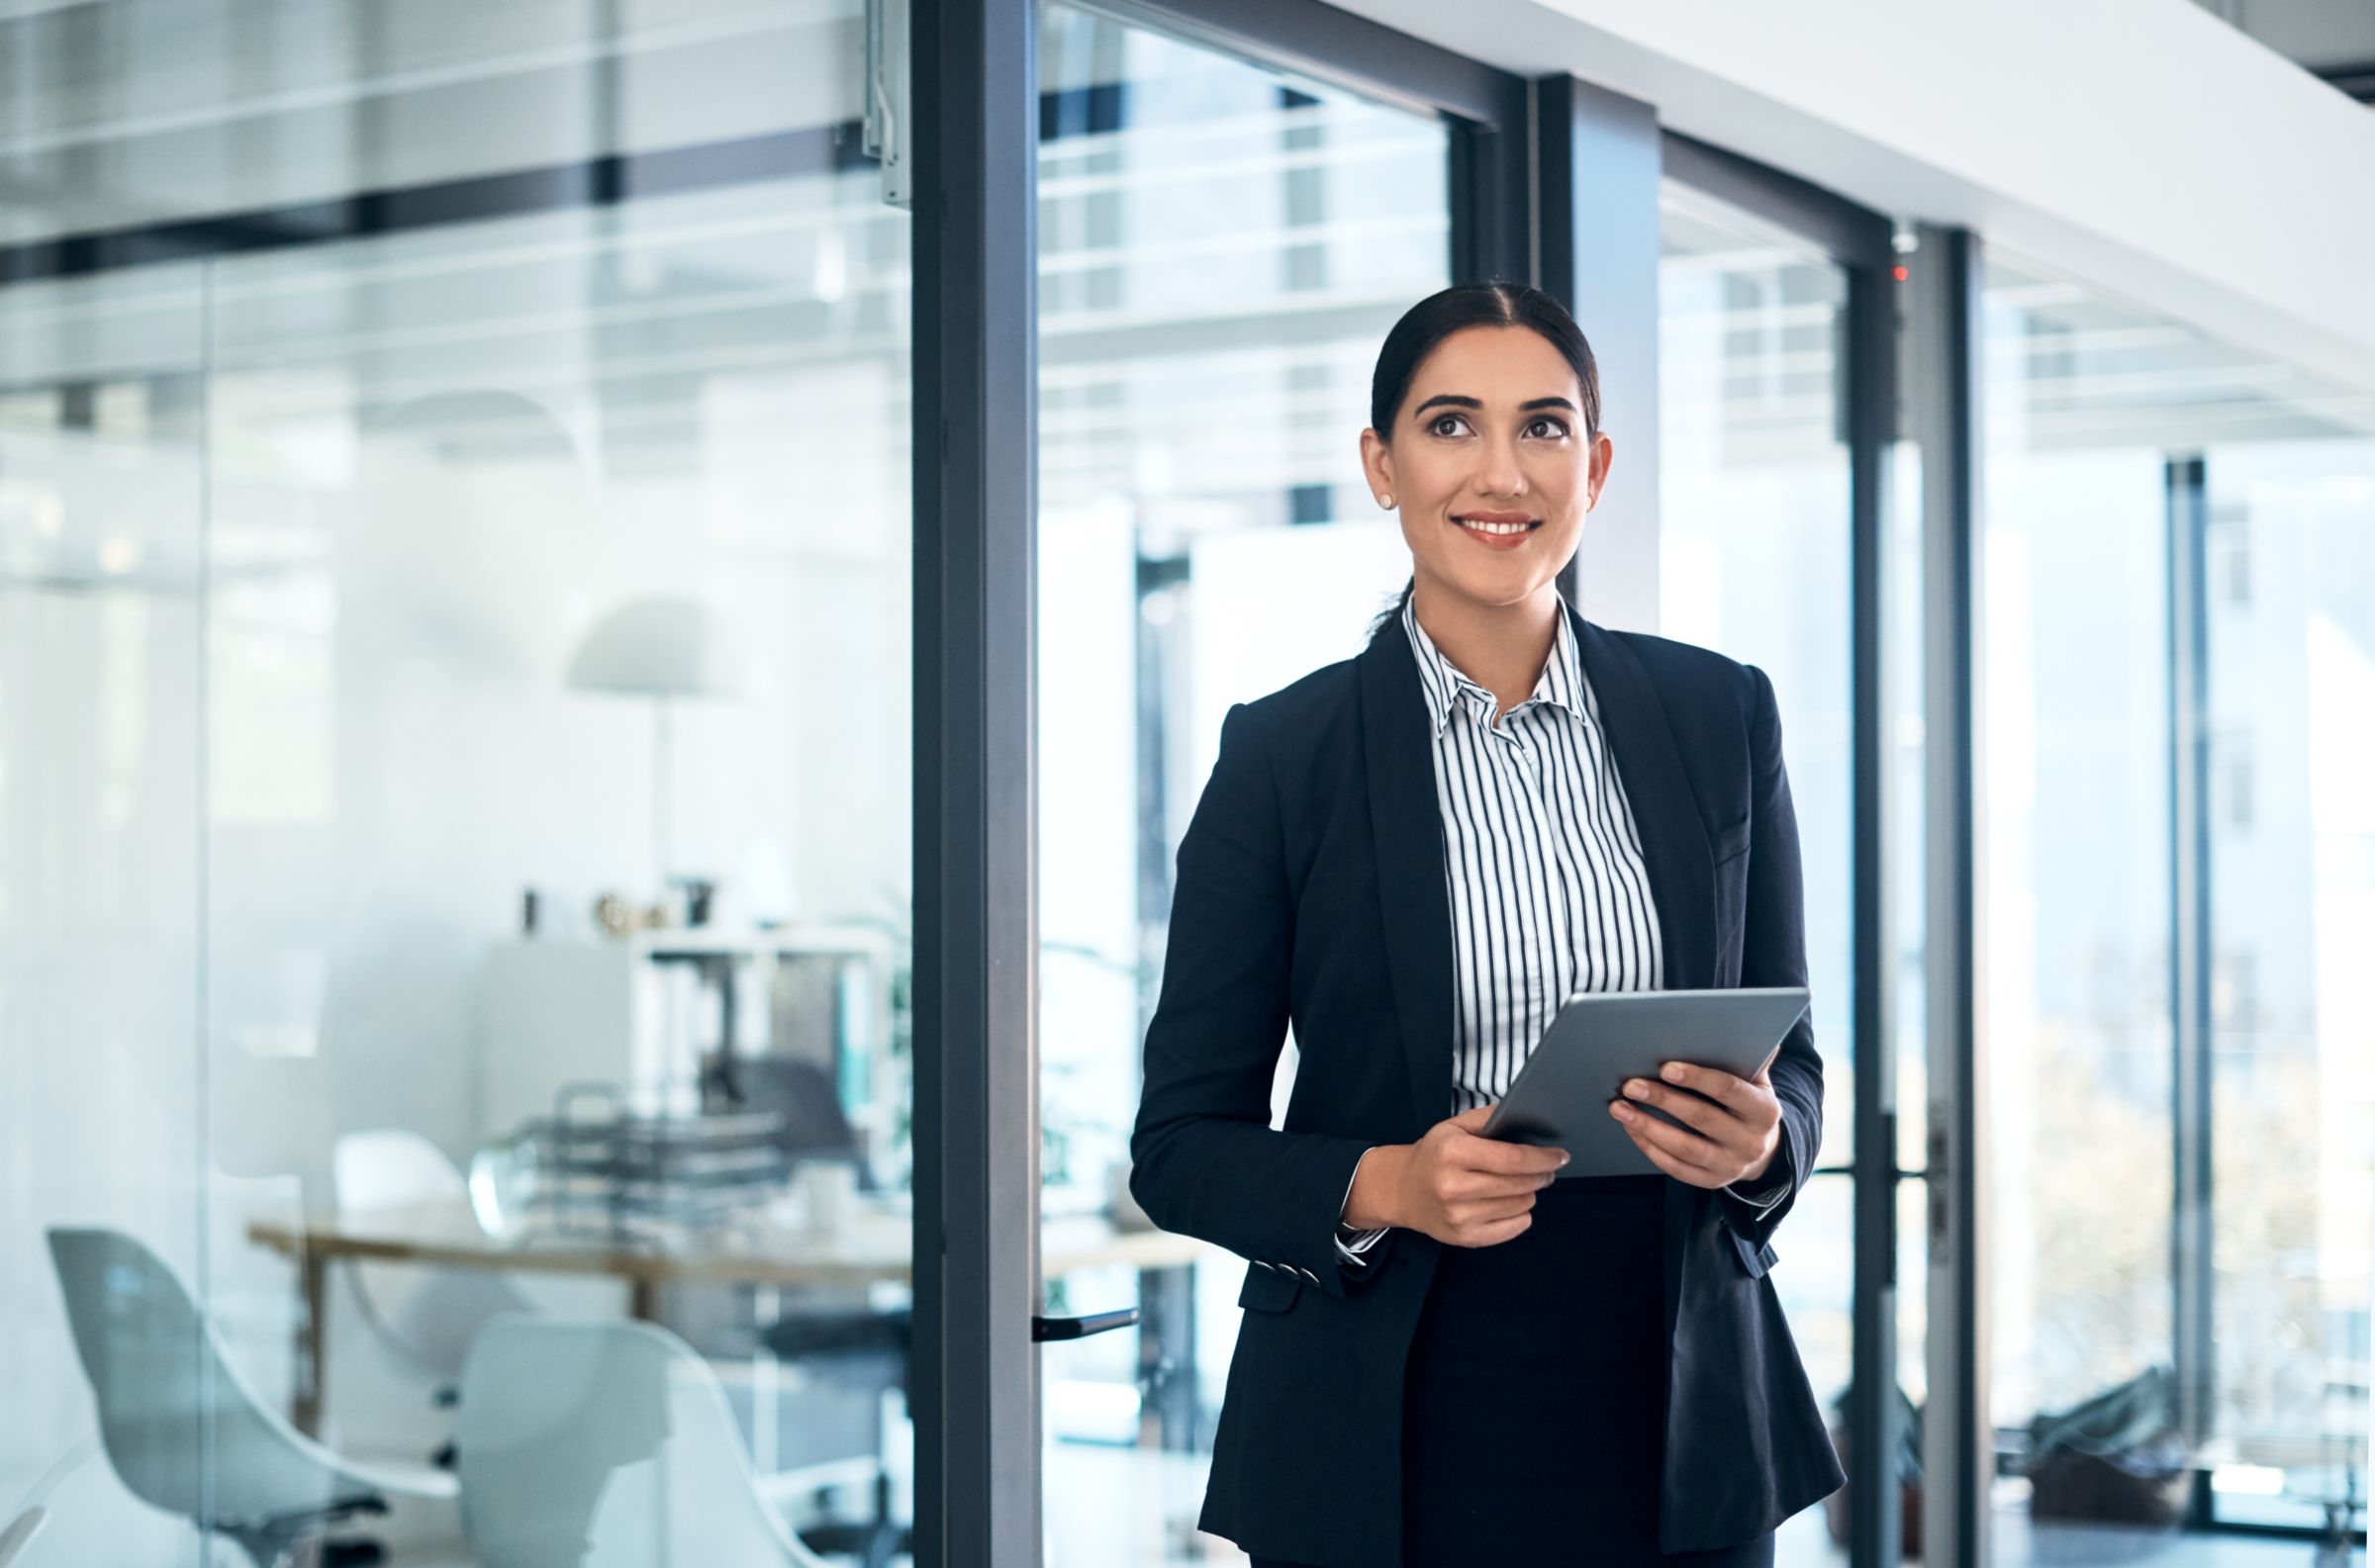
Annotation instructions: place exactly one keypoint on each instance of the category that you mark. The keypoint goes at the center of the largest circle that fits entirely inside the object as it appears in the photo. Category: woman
(1448, 1356)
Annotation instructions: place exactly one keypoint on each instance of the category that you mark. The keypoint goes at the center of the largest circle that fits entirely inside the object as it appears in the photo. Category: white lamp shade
(660, 647)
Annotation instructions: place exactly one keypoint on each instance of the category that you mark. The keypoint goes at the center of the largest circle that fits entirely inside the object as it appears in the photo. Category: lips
(1496, 530)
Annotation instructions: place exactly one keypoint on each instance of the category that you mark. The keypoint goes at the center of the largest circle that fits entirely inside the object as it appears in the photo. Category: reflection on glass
(1755, 562)
(455, 681)
(100, 769)
(2290, 601)
(2095, 413)
(2076, 922)
(1223, 250)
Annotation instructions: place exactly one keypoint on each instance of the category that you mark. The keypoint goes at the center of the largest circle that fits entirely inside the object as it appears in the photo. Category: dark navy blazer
(1311, 892)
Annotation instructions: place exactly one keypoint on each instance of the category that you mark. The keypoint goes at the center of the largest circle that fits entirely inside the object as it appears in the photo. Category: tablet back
(1600, 1038)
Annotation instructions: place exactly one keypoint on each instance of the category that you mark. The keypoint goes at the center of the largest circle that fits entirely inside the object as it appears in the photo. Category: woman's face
(1489, 465)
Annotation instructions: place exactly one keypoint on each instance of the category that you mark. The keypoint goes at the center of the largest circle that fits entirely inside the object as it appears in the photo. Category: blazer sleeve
(1205, 1159)
(1773, 952)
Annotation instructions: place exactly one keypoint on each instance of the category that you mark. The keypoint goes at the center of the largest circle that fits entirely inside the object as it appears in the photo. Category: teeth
(1493, 527)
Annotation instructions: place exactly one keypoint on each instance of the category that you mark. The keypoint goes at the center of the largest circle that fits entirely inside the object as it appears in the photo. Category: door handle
(1045, 1329)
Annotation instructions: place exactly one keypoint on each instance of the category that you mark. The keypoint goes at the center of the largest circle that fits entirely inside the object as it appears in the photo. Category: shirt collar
(1561, 683)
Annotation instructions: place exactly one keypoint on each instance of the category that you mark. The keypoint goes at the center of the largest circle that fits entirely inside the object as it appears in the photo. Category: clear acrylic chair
(427, 1316)
(607, 1445)
(161, 1380)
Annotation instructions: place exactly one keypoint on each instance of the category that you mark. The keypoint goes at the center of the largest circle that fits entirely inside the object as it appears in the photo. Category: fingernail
(1672, 1073)
(1624, 1112)
(1636, 1089)
(1565, 1156)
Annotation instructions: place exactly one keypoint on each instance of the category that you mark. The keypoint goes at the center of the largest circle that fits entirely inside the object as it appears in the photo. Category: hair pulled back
(1427, 323)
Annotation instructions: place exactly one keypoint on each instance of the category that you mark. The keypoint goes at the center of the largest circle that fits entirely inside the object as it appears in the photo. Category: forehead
(1499, 364)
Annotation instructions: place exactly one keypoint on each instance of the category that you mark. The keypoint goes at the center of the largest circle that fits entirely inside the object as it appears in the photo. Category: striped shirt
(1549, 895)
(1543, 863)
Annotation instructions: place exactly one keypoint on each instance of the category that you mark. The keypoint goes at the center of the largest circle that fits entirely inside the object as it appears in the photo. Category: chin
(1499, 583)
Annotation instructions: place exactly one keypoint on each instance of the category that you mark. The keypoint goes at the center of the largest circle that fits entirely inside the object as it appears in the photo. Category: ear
(1604, 453)
(1377, 463)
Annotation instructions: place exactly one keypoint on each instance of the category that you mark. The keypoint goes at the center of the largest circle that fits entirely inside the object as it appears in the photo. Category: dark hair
(1427, 323)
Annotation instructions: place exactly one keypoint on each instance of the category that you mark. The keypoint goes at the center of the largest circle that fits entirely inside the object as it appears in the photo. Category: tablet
(1600, 1038)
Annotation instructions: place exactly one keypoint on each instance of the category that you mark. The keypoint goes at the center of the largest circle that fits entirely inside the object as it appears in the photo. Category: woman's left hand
(1731, 1127)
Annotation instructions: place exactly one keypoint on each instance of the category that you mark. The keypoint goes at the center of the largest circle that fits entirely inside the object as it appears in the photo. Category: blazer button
(1258, 1263)
(1308, 1274)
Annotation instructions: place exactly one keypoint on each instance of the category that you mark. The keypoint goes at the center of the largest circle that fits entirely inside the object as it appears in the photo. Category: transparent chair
(607, 1445)
(159, 1378)
(19, 1533)
(427, 1316)
(34, 1511)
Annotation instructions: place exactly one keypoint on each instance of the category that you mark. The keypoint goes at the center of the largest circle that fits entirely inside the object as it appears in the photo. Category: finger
(1496, 1234)
(1677, 1168)
(1471, 1121)
(1705, 1115)
(1737, 1094)
(1678, 1164)
(1491, 1154)
(1490, 1212)
(1692, 1149)
(1464, 1186)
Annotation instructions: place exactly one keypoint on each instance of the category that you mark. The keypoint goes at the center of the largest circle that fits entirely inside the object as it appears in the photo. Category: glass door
(2178, 901)
(454, 777)
(1756, 561)
(1222, 248)
(1777, 548)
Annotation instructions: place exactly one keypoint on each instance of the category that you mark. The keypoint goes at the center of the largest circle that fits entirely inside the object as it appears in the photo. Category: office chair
(607, 1445)
(161, 1380)
(34, 1511)
(20, 1532)
(427, 1316)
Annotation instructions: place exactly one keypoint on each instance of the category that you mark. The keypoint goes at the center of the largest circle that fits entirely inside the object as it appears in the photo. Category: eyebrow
(1463, 400)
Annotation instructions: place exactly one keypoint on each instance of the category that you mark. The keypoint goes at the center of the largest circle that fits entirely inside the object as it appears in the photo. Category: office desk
(874, 1248)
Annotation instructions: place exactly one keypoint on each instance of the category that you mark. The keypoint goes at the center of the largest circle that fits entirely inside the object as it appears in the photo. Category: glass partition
(102, 845)
(1222, 250)
(2289, 612)
(454, 783)
(2118, 579)
(1755, 562)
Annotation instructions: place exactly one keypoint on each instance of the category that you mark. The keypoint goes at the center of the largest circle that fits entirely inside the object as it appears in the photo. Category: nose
(1499, 471)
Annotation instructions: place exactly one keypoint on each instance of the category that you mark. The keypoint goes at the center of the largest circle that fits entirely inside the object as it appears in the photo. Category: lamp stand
(663, 738)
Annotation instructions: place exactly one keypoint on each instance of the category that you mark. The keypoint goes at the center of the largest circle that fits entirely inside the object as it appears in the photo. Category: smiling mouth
(1497, 530)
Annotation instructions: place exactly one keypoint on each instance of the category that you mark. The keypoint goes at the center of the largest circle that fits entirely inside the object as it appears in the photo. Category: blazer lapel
(1415, 902)
(1674, 849)
(1673, 838)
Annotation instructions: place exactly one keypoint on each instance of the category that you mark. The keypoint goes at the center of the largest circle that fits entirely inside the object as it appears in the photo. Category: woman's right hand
(1462, 1189)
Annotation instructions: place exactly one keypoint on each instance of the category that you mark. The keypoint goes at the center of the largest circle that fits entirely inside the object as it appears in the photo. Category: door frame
(1863, 245)
(974, 1381)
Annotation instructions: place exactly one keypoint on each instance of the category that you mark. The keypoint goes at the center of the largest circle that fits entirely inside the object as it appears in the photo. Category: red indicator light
(1901, 271)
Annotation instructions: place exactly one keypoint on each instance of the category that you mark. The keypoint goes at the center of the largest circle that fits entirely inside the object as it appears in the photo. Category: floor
(1111, 1508)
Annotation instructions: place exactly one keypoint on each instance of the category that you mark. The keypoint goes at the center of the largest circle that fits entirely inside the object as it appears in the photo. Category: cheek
(1416, 537)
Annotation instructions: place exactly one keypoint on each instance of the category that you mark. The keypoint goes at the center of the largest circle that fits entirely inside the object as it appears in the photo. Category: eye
(1436, 425)
(1556, 425)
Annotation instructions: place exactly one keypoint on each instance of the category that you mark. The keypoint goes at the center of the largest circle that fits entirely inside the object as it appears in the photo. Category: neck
(1500, 647)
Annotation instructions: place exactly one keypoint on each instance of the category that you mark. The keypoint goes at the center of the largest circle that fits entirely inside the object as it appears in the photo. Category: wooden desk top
(874, 1248)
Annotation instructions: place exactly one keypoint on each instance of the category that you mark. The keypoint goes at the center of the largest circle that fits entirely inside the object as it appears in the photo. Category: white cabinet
(639, 1013)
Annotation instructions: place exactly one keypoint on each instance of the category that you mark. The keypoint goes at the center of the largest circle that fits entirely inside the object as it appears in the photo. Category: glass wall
(2077, 872)
(454, 770)
(2102, 421)
(1755, 561)
(1222, 250)
(2289, 602)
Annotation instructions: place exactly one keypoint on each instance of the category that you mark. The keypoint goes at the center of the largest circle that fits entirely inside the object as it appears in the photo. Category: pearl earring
(1386, 501)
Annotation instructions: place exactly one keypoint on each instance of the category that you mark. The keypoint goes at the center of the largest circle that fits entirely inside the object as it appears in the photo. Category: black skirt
(1534, 1402)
